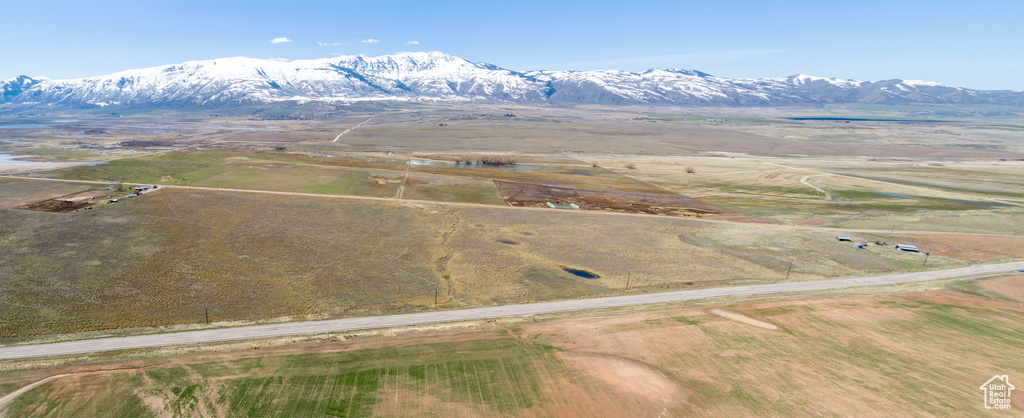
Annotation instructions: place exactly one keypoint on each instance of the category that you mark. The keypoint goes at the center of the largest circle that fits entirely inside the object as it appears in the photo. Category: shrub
(492, 160)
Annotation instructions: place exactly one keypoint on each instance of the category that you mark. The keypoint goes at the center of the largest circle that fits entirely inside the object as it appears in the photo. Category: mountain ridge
(435, 76)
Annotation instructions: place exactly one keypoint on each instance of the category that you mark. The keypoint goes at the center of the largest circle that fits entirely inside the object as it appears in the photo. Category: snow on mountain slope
(10, 89)
(438, 76)
(803, 80)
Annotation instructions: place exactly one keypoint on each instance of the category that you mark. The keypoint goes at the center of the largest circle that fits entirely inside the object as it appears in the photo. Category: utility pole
(789, 269)
(629, 273)
(893, 230)
(206, 307)
(926, 258)
(435, 295)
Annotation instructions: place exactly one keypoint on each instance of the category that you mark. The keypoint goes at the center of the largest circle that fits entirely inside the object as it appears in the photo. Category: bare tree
(631, 166)
(119, 185)
(690, 170)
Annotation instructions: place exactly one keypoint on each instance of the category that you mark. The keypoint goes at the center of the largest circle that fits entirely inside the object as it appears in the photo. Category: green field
(437, 188)
(500, 377)
(495, 377)
(359, 175)
(242, 170)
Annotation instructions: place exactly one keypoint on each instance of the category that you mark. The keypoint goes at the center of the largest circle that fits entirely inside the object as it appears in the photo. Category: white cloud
(322, 43)
(369, 41)
(413, 43)
(279, 59)
(280, 40)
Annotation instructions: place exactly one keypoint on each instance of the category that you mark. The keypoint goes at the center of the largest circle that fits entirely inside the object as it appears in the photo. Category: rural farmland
(425, 209)
(491, 209)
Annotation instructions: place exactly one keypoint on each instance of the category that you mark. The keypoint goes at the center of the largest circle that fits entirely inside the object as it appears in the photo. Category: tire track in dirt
(819, 189)
(11, 396)
(6, 399)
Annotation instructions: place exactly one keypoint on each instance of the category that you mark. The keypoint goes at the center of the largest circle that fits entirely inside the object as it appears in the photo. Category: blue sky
(971, 44)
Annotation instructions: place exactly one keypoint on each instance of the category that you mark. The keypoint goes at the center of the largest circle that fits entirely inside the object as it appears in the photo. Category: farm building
(844, 238)
(903, 247)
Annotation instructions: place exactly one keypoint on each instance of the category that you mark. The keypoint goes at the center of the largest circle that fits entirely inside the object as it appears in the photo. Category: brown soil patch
(396, 401)
(744, 319)
(812, 221)
(711, 356)
(66, 203)
(55, 205)
(536, 195)
(1011, 287)
(385, 181)
(627, 378)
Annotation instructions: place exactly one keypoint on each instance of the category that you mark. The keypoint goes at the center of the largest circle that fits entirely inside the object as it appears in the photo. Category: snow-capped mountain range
(434, 76)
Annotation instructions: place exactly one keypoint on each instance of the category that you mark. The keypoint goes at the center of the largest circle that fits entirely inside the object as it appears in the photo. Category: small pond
(581, 273)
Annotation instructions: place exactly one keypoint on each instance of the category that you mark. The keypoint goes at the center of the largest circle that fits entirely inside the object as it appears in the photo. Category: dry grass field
(162, 258)
(912, 354)
(526, 252)
(15, 192)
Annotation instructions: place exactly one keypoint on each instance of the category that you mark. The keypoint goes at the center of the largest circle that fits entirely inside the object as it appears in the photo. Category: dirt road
(350, 130)
(481, 205)
(10, 396)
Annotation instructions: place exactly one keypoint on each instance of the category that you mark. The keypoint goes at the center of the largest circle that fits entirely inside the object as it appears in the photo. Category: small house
(844, 238)
(903, 247)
